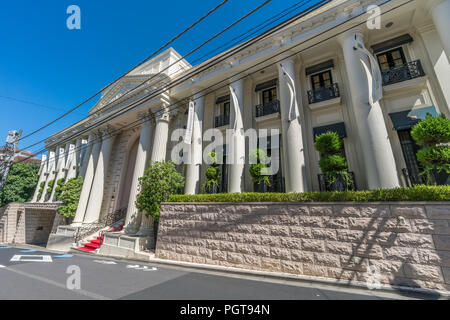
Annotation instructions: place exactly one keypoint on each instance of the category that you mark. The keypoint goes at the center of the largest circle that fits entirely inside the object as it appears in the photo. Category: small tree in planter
(41, 189)
(212, 173)
(50, 185)
(433, 134)
(160, 181)
(59, 188)
(70, 196)
(259, 171)
(333, 165)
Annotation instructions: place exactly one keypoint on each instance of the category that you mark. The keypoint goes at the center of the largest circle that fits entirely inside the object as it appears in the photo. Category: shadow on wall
(393, 242)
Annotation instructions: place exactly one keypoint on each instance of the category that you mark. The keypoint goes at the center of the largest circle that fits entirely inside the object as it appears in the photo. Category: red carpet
(95, 244)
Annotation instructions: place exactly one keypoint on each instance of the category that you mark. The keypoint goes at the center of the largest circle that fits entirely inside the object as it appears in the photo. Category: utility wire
(132, 105)
(165, 69)
(293, 54)
(122, 76)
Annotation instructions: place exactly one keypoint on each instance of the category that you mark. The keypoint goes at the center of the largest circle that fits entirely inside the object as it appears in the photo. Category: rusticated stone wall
(409, 243)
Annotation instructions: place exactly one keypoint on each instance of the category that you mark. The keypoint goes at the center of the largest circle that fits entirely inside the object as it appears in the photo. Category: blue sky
(43, 62)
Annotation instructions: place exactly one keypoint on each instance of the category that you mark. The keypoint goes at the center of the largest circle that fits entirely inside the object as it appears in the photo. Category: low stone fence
(27, 223)
(403, 244)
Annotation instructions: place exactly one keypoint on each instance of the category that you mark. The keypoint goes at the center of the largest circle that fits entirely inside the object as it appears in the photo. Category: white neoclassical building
(334, 69)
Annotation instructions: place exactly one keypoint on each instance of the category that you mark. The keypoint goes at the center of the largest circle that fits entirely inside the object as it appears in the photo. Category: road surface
(39, 274)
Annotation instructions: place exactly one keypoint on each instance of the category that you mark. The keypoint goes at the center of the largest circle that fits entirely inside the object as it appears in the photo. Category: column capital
(145, 118)
(162, 115)
(105, 132)
(357, 31)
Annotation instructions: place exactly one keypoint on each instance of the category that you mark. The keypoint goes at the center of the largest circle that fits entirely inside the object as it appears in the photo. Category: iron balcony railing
(268, 108)
(221, 121)
(338, 185)
(324, 93)
(408, 71)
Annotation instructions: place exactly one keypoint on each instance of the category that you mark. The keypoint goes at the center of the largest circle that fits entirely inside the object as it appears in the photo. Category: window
(391, 59)
(269, 95)
(410, 149)
(226, 109)
(321, 80)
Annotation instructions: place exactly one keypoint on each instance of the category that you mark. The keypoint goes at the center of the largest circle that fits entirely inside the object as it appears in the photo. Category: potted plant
(433, 134)
(259, 171)
(333, 165)
(212, 173)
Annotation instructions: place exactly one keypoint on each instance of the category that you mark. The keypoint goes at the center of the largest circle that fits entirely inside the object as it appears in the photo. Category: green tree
(70, 196)
(160, 181)
(21, 183)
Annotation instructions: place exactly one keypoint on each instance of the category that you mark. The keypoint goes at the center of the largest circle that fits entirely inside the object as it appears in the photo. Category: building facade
(339, 68)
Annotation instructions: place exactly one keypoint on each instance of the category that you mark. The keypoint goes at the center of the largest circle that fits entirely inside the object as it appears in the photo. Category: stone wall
(409, 243)
(29, 223)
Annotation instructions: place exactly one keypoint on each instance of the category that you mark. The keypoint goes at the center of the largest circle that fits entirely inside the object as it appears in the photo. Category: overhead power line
(122, 76)
(165, 69)
(292, 54)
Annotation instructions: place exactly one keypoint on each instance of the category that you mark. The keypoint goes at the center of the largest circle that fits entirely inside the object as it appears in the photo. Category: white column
(42, 176)
(51, 173)
(376, 150)
(142, 160)
(92, 158)
(71, 162)
(292, 131)
(193, 168)
(85, 155)
(440, 13)
(159, 150)
(237, 145)
(60, 171)
(98, 185)
(80, 145)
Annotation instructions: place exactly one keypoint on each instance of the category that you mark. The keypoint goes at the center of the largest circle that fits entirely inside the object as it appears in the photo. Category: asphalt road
(28, 274)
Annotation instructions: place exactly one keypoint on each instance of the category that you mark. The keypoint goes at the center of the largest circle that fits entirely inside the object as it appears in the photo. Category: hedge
(418, 193)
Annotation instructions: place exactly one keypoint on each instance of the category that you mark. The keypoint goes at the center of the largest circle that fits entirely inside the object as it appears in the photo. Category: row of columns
(61, 163)
(380, 167)
(97, 159)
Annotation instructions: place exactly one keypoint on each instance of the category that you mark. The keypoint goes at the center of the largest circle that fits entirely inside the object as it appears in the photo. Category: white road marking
(30, 258)
(104, 262)
(144, 268)
(1, 266)
(59, 285)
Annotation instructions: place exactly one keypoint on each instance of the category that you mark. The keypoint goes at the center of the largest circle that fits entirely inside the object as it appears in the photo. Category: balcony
(221, 121)
(269, 108)
(408, 71)
(324, 94)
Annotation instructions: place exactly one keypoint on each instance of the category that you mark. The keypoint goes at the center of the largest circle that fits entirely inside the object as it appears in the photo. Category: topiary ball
(328, 143)
(257, 156)
(432, 131)
(434, 155)
(212, 173)
(333, 163)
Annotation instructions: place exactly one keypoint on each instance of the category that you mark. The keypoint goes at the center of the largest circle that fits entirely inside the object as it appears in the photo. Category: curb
(285, 278)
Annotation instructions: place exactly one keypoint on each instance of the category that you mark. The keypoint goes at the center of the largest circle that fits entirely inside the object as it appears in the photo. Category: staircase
(93, 245)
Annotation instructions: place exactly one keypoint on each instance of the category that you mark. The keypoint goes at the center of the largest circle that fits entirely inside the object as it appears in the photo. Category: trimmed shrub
(333, 163)
(212, 173)
(432, 131)
(328, 143)
(418, 193)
